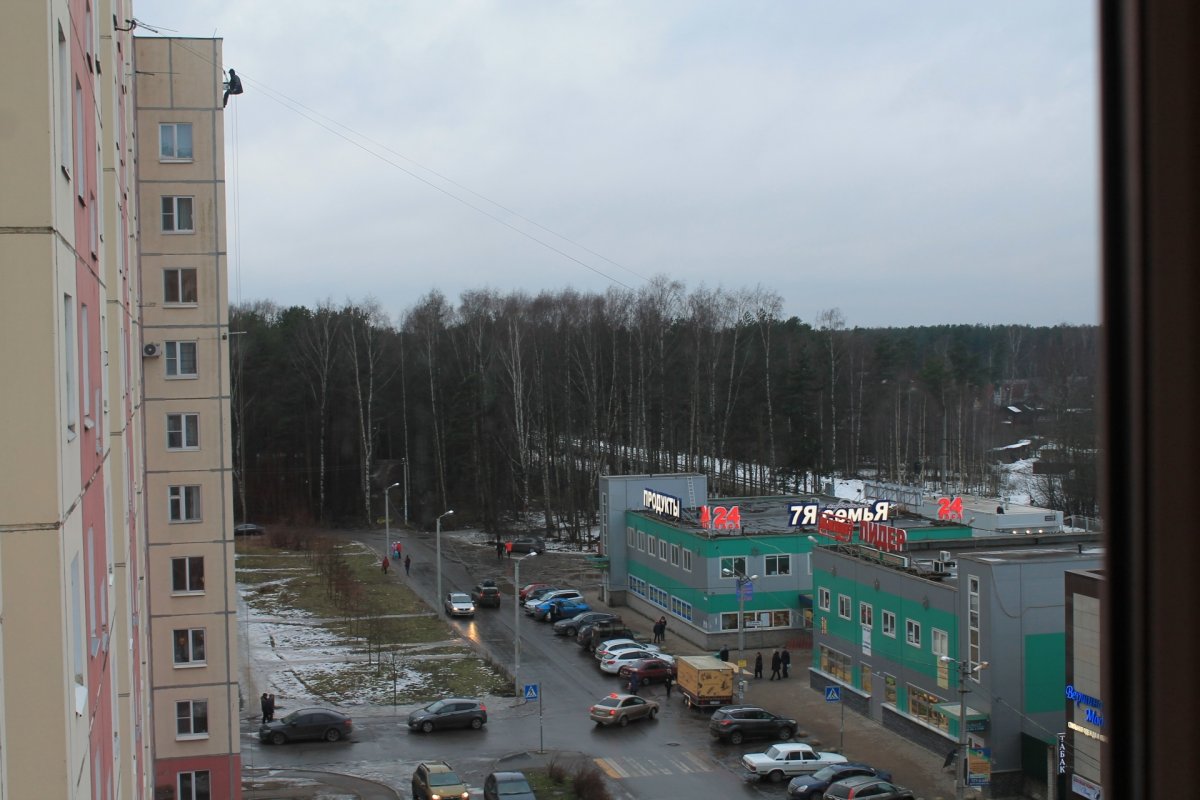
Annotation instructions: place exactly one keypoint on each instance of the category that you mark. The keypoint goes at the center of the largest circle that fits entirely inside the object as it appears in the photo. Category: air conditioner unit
(945, 555)
(152, 350)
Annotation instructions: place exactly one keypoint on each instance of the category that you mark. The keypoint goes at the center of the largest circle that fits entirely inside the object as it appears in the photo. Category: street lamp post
(742, 582)
(405, 460)
(964, 671)
(517, 622)
(387, 520)
(441, 605)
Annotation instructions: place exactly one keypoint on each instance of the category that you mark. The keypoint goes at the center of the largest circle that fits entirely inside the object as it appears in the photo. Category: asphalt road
(671, 757)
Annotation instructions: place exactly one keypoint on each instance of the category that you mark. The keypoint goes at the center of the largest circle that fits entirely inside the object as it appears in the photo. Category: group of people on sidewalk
(781, 660)
(268, 707)
(407, 564)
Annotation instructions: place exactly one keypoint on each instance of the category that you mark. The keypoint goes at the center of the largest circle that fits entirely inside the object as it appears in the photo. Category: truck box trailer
(705, 681)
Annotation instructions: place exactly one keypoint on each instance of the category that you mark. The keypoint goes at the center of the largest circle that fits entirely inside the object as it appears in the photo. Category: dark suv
(735, 723)
(595, 632)
(452, 712)
(485, 595)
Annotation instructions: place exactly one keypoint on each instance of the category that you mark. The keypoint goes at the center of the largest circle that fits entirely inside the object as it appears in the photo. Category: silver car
(459, 604)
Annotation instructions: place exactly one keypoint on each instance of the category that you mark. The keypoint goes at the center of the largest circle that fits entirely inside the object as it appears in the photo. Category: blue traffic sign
(746, 591)
(833, 694)
(531, 691)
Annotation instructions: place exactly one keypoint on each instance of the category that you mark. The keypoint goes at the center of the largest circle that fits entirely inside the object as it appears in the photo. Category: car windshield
(773, 752)
(826, 773)
(514, 786)
(443, 779)
(290, 718)
(459, 598)
(609, 702)
(436, 707)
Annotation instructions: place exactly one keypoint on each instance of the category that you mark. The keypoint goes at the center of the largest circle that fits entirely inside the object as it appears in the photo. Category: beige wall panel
(161, 530)
(214, 599)
(28, 104)
(207, 381)
(197, 72)
(209, 452)
(205, 219)
(162, 631)
(219, 714)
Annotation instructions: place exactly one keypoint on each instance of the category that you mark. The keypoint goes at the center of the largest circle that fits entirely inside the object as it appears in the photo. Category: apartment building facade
(87, 610)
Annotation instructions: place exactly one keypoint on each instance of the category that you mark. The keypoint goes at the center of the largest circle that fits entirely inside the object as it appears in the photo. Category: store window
(923, 706)
(836, 664)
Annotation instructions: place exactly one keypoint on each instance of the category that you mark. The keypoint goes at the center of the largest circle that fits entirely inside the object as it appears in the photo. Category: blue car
(554, 610)
(813, 786)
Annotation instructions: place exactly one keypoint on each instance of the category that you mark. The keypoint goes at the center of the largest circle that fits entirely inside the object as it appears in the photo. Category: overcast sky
(909, 162)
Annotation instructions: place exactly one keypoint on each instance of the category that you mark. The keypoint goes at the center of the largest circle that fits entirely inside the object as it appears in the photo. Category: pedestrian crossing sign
(833, 694)
(531, 691)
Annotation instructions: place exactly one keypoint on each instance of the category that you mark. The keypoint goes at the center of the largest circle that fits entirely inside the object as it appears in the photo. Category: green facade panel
(1045, 672)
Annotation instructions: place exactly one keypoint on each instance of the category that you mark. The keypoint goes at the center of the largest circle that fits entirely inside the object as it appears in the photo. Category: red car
(531, 587)
(648, 670)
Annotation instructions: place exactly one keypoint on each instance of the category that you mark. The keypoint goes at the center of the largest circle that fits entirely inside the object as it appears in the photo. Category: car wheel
(571, 631)
(278, 738)
(477, 723)
(785, 733)
(736, 737)
(775, 776)
(427, 727)
(624, 721)
(653, 713)
(332, 735)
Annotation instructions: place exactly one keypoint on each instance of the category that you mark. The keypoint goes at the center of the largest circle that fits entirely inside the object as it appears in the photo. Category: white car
(566, 594)
(459, 604)
(613, 645)
(788, 760)
(613, 663)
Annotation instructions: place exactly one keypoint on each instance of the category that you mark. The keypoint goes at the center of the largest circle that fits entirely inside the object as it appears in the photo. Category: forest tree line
(511, 404)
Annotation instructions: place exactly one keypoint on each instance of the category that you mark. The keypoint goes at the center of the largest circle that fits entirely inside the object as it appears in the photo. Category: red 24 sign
(950, 509)
(720, 518)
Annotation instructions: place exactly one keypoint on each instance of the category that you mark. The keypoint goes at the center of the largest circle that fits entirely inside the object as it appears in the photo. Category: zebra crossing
(687, 761)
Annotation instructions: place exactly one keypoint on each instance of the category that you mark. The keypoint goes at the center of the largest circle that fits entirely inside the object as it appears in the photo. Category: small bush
(556, 771)
(589, 784)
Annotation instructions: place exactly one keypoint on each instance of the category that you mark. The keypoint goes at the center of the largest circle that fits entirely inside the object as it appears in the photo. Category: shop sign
(720, 518)
(808, 514)
(1092, 706)
(1083, 786)
(662, 504)
(1062, 754)
(882, 537)
(979, 766)
(950, 508)
(835, 528)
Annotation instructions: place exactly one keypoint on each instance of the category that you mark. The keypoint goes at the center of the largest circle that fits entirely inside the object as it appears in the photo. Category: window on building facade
(180, 287)
(187, 575)
(889, 689)
(675, 555)
(177, 215)
(65, 128)
(183, 503)
(777, 565)
(194, 785)
(844, 606)
(912, 632)
(663, 546)
(191, 719)
(973, 633)
(687, 560)
(864, 678)
(631, 536)
(71, 378)
(189, 647)
(889, 624)
(681, 608)
(923, 706)
(80, 151)
(940, 642)
(733, 566)
(641, 540)
(183, 431)
(658, 596)
(650, 540)
(180, 359)
(175, 141)
(823, 598)
(839, 665)
(637, 586)
(866, 615)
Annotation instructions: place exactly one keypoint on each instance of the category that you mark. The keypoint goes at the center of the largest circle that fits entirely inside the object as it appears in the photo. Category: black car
(813, 785)
(307, 723)
(529, 544)
(594, 632)
(452, 712)
(486, 596)
(571, 627)
(737, 723)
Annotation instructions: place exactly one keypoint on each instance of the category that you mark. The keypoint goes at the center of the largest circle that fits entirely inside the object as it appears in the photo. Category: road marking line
(611, 769)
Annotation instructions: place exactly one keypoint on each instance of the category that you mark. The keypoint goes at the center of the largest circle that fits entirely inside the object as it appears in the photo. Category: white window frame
(80, 152)
(912, 632)
(777, 564)
(173, 280)
(187, 785)
(974, 636)
(65, 130)
(188, 435)
(866, 615)
(939, 641)
(686, 561)
(641, 545)
(663, 549)
(184, 504)
(174, 360)
(170, 216)
(674, 555)
(173, 128)
(844, 606)
(631, 536)
(71, 366)
(192, 568)
(650, 545)
(191, 714)
(195, 639)
(889, 623)
(824, 599)
(733, 569)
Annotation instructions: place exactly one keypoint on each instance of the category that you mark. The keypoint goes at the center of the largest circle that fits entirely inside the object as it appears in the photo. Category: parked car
(523, 595)
(248, 529)
(535, 595)
(866, 786)
(307, 723)
(621, 709)
(484, 596)
(566, 594)
(451, 712)
(560, 608)
(507, 786)
(459, 604)
(529, 544)
(648, 670)
(435, 780)
(813, 785)
(788, 759)
(614, 661)
(737, 723)
(571, 626)
(595, 632)
(610, 646)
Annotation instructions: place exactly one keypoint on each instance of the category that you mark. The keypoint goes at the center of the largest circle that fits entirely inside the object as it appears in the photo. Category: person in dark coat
(407, 563)
(265, 702)
(232, 86)
(386, 564)
(785, 660)
(724, 654)
(667, 682)
(662, 629)
(776, 662)
(633, 683)
(758, 666)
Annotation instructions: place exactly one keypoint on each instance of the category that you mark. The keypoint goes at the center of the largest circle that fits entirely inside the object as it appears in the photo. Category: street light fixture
(742, 583)
(441, 605)
(387, 520)
(965, 669)
(517, 621)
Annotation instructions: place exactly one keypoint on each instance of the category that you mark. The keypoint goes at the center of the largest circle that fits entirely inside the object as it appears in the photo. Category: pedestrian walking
(499, 549)
(407, 563)
(662, 629)
(785, 660)
(270, 708)
(724, 653)
(776, 662)
(633, 683)
(508, 548)
(657, 632)
(667, 683)
(265, 702)
(386, 564)
(758, 666)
